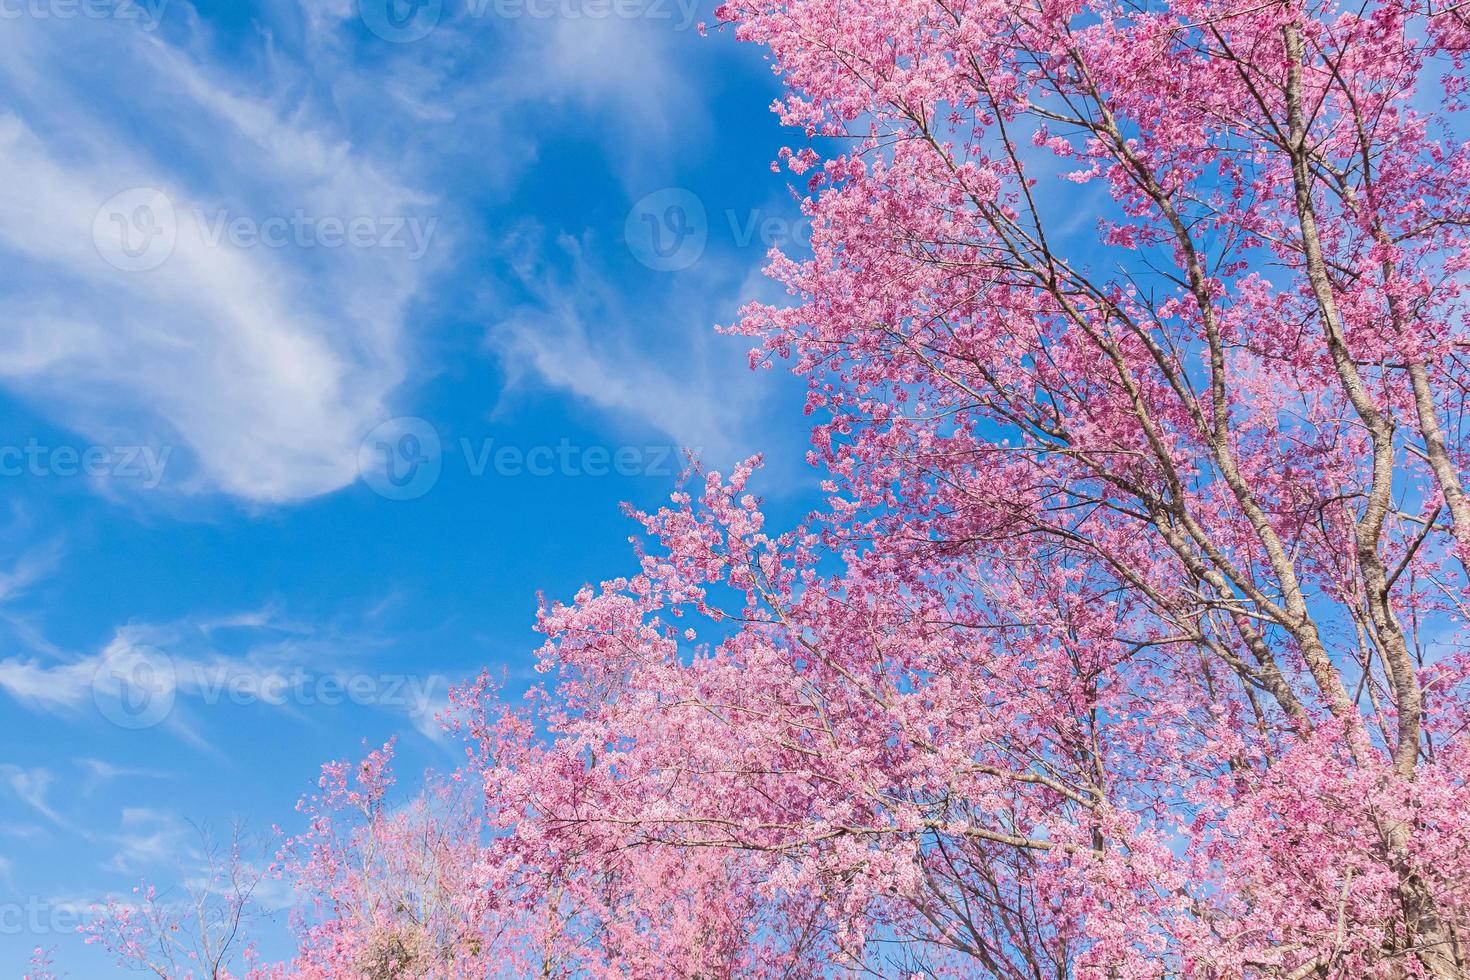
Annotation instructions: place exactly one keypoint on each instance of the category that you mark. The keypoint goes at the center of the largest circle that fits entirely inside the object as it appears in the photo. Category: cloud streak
(266, 360)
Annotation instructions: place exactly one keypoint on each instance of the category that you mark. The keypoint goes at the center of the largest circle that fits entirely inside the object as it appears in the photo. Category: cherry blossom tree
(1130, 639)
(449, 884)
(41, 965)
(1130, 642)
(391, 890)
(202, 932)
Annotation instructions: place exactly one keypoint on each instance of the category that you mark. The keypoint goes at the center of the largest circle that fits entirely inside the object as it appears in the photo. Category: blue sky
(331, 337)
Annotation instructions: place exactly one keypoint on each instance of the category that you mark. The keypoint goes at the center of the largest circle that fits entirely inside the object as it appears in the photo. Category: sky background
(331, 337)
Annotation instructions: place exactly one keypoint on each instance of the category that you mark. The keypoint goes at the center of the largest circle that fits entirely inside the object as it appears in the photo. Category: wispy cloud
(32, 786)
(148, 838)
(578, 333)
(265, 342)
(620, 76)
(151, 675)
(265, 366)
(99, 772)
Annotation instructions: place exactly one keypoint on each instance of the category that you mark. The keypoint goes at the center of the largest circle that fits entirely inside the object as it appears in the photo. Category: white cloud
(32, 786)
(150, 675)
(30, 568)
(429, 706)
(265, 367)
(148, 838)
(99, 772)
(660, 366)
(48, 688)
(625, 78)
(267, 364)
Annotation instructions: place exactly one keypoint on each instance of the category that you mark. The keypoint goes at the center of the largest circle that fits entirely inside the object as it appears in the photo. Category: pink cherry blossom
(1130, 639)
